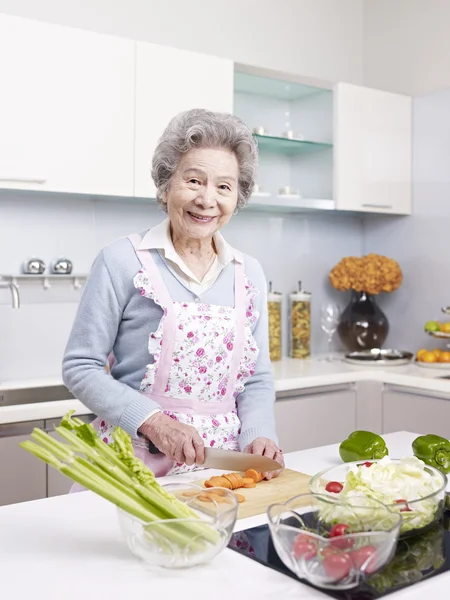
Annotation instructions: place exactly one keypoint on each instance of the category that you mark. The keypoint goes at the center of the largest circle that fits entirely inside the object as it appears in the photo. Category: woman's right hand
(177, 441)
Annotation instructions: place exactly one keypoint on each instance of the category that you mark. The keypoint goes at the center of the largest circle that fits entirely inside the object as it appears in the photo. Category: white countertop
(70, 547)
(290, 374)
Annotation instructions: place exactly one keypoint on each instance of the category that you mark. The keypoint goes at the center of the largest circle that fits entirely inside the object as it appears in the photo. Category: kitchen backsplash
(32, 339)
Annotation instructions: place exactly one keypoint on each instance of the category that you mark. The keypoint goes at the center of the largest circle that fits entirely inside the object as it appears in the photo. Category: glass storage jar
(300, 323)
(274, 306)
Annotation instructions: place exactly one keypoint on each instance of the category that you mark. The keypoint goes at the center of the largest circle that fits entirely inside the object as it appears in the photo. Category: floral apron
(203, 355)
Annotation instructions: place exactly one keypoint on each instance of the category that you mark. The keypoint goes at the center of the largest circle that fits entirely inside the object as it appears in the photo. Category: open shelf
(271, 87)
(288, 146)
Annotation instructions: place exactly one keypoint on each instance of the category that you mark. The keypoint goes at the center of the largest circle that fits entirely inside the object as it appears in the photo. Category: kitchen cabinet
(345, 148)
(66, 109)
(22, 475)
(57, 483)
(314, 417)
(421, 411)
(169, 81)
(372, 150)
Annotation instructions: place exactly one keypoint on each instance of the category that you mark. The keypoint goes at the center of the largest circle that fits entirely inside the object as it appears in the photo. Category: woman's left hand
(265, 447)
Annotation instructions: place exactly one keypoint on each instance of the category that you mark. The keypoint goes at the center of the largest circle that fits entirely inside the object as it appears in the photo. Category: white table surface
(71, 547)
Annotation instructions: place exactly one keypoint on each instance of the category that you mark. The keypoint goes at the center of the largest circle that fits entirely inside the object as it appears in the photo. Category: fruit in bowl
(437, 326)
(433, 356)
(407, 486)
(331, 543)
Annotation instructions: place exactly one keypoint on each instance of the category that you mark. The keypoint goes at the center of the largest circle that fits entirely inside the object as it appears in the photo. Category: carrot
(205, 497)
(208, 484)
(189, 493)
(250, 484)
(254, 474)
(240, 498)
(232, 480)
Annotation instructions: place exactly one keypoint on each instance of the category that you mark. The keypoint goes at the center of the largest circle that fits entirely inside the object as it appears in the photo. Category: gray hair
(200, 128)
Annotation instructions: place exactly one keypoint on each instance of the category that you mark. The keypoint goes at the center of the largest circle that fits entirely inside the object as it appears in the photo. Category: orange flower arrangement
(371, 274)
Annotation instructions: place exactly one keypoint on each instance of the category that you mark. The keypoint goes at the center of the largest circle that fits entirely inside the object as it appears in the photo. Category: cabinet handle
(23, 179)
(375, 205)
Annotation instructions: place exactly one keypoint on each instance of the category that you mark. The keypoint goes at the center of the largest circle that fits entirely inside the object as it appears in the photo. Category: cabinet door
(406, 409)
(66, 109)
(315, 417)
(22, 475)
(169, 81)
(372, 150)
(57, 483)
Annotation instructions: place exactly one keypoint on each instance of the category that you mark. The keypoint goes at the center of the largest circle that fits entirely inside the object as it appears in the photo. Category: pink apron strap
(240, 312)
(165, 301)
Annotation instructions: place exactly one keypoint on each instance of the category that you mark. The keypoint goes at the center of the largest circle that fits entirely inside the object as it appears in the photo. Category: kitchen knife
(216, 458)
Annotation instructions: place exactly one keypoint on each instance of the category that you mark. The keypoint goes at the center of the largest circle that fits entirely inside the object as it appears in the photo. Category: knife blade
(215, 458)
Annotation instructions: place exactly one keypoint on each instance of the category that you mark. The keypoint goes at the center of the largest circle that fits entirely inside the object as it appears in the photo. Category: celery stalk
(114, 473)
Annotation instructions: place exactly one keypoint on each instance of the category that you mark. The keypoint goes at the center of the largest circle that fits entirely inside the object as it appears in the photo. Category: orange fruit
(445, 327)
(437, 353)
(429, 357)
(444, 357)
(420, 353)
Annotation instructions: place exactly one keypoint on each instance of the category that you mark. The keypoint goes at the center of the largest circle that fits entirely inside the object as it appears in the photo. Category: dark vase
(363, 325)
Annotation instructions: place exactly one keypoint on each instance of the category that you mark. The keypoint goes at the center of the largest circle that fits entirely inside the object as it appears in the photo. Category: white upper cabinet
(66, 109)
(372, 150)
(169, 81)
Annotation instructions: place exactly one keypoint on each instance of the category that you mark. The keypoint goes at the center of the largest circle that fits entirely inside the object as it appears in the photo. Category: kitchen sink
(32, 395)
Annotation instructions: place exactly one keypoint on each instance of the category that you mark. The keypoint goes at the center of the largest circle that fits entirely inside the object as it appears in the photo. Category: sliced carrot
(254, 474)
(240, 498)
(240, 479)
(247, 480)
(205, 498)
(218, 498)
(190, 493)
(250, 485)
(208, 484)
(232, 480)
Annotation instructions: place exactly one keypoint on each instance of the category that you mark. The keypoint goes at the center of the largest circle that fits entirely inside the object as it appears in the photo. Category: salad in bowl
(407, 486)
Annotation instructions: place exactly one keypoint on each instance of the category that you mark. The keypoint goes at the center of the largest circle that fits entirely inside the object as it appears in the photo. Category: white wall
(407, 45)
(313, 38)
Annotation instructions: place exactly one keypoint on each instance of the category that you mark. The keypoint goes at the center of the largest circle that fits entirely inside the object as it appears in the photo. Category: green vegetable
(387, 482)
(362, 445)
(416, 558)
(433, 450)
(113, 472)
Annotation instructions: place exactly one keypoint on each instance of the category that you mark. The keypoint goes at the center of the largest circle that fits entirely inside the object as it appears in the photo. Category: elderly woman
(183, 313)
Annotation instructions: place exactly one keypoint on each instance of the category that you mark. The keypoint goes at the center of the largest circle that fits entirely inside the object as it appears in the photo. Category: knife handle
(152, 448)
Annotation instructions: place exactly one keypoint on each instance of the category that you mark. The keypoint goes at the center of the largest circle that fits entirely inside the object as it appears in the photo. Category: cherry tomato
(338, 533)
(405, 508)
(304, 546)
(337, 566)
(334, 487)
(328, 550)
(365, 556)
(367, 464)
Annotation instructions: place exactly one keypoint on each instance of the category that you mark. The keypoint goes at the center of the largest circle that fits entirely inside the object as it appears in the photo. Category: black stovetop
(417, 558)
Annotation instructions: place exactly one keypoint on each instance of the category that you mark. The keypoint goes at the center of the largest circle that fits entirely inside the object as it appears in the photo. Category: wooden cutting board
(287, 485)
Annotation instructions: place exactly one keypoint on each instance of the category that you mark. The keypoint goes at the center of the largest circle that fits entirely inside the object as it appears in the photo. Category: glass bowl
(418, 514)
(182, 543)
(303, 533)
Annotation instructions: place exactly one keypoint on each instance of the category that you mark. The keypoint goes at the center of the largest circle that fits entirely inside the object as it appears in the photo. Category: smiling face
(203, 193)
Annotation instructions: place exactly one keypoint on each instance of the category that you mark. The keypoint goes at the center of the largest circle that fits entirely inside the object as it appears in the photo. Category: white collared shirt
(159, 238)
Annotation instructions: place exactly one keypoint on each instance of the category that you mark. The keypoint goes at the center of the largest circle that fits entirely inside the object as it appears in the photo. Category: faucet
(14, 292)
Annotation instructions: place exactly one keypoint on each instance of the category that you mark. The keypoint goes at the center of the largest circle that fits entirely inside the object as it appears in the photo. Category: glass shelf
(271, 87)
(287, 146)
